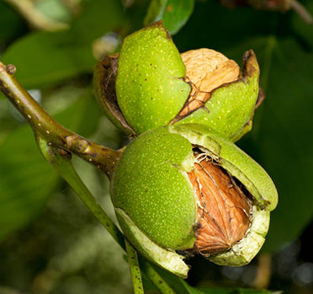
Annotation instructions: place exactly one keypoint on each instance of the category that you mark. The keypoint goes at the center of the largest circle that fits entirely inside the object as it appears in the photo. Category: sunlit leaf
(45, 58)
(174, 13)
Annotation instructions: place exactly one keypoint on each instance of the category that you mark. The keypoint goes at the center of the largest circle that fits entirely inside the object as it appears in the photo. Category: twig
(54, 133)
(36, 18)
(302, 11)
(134, 268)
(155, 278)
(63, 164)
(263, 274)
(55, 141)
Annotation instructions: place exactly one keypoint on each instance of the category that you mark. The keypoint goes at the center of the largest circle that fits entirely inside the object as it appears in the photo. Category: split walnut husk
(206, 70)
(150, 84)
(184, 188)
(223, 209)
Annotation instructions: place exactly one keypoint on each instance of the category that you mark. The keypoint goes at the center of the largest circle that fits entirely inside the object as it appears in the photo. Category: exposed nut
(206, 70)
(151, 84)
(184, 188)
(223, 208)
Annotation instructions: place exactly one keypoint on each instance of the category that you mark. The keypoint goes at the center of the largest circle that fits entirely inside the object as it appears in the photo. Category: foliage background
(49, 242)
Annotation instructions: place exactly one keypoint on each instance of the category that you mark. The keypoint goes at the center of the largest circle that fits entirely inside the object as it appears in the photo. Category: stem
(302, 11)
(56, 144)
(155, 278)
(134, 268)
(54, 133)
(36, 18)
(62, 163)
(263, 274)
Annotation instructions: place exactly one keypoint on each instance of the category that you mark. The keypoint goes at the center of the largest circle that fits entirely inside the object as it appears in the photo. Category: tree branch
(55, 134)
(55, 141)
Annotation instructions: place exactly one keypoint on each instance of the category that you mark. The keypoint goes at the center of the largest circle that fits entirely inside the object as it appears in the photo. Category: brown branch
(54, 133)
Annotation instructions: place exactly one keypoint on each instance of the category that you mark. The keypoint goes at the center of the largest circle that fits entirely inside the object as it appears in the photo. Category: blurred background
(49, 242)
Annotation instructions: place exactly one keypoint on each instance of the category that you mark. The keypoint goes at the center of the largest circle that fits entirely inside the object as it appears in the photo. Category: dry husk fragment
(206, 70)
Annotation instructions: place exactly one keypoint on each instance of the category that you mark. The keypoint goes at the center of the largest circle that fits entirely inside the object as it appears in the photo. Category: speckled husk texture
(155, 202)
(150, 84)
(149, 185)
(231, 106)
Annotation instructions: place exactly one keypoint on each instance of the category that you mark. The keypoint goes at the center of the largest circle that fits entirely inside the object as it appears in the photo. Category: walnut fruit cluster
(182, 186)
(189, 189)
(150, 84)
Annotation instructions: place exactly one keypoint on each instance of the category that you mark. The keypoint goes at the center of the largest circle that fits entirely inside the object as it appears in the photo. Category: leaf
(221, 29)
(285, 146)
(236, 291)
(280, 139)
(173, 281)
(26, 179)
(192, 290)
(44, 59)
(8, 15)
(174, 13)
(98, 17)
(302, 30)
(7, 290)
(54, 9)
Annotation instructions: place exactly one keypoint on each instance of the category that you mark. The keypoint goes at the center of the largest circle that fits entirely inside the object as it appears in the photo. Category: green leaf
(192, 290)
(280, 139)
(26, 179)
(98, 17)
(303, 31)
(54, 9)
(174, 13)
(17, 25)
(285, 141)
(7, 290)
(44, 59)
(235, 291)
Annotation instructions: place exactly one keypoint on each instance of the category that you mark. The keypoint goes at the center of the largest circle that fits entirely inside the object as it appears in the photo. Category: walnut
(223, 208)
(206, 70)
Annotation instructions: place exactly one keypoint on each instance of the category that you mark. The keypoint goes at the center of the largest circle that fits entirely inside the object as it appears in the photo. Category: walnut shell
(206, 70)
(161, 209)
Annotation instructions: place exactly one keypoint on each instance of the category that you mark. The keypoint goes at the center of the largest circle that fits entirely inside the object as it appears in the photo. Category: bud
(185, 188)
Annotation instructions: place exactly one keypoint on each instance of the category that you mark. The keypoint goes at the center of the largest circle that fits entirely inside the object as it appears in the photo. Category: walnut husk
(223, 209)
(206, 70)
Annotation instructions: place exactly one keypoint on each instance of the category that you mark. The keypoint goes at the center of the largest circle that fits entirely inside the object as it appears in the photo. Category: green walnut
(150, 84)
(184, 188)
